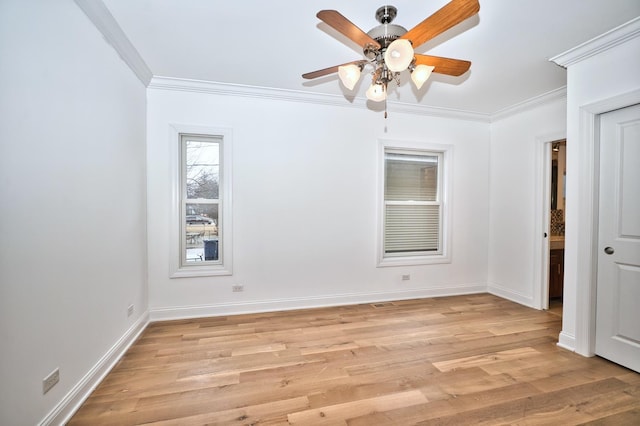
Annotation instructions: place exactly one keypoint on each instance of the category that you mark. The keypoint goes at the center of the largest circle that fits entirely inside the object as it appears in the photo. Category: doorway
(556, 226)
(550, 201)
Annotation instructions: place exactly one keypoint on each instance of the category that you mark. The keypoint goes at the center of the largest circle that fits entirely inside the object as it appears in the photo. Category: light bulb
(376, 93)
(421, 74)
(398, 55)
(349, 75)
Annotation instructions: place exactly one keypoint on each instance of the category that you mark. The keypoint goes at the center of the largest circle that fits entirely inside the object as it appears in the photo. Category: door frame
(542, 224)
(587, 148)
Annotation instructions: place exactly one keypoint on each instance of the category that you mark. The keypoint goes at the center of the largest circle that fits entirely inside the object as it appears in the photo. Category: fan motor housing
(386, 32)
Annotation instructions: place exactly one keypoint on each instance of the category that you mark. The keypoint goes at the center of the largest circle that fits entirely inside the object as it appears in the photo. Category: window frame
(445, 155)
(179, 268)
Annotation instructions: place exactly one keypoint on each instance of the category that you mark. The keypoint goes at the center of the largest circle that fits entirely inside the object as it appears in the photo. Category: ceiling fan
(389, 47)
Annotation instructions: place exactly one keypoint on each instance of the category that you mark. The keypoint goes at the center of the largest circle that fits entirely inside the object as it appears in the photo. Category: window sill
(201, 271)
(413, 261)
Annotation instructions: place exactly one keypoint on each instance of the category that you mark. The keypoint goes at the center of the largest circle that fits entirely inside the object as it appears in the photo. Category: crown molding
(441, 112)
(560, 93)
(606, 41)
(229, 89)
(104, 21)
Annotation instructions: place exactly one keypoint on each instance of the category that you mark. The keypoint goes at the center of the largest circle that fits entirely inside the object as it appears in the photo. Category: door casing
(587, 147)
(543, 201)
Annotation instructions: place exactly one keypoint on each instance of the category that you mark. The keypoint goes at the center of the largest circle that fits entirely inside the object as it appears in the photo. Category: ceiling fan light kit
(399, 55)
(349, 75)
(420, 74)
(376, 92)
(389, 48)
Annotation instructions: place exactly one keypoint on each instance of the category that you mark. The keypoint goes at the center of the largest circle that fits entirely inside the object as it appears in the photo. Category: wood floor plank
(473, 359)
(272, 413)
(339, 413)
(486, 359)
(454, 406)
(629, 418)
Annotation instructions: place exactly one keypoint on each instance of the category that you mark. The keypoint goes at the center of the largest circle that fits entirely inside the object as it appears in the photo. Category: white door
(618, 286)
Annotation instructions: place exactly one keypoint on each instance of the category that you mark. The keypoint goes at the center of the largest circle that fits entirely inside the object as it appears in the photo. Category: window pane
(201, 227)
(411, 228)
(410, 177)
(202, 169)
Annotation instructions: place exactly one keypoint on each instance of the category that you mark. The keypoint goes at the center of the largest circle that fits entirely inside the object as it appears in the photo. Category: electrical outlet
(237, 288)
(406, 277)
(50, 381)
(130, 310)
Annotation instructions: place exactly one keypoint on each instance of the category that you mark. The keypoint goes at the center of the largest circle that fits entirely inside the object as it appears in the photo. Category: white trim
(541, 233)
(587, 232)
(445, 173)
(72, 401)
(176, 270)
(509, 294)
(228, 89)
(275, 305)
(240, 90)
(431, 111)
(601, 43)
(587, 147)
(104, 21)
(567, 341)
(536, 101)
(542, 201)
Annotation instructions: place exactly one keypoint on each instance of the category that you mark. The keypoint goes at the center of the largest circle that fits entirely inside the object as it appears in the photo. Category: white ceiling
(270, 44)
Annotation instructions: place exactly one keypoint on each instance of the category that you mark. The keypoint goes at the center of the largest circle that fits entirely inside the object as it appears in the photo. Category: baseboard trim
(252, 307)
(567, 341)
(63, 411)
(514, 296)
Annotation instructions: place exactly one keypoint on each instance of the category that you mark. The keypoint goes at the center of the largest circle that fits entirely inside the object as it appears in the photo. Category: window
(414, 210)
(201, 213)
(200, 198)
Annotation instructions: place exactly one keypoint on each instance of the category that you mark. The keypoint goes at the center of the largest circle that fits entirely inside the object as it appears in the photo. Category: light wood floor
(449, 361)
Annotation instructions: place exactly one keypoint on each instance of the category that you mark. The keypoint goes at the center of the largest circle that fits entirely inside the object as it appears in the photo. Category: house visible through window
(413, 211)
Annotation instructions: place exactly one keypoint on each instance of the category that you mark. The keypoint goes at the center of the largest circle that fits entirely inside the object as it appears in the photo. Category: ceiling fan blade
(448, 16)
(330, 70)
(338, 22)
(442, 65)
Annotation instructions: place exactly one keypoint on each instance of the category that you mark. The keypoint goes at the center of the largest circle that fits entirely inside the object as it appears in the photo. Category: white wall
(72, 202)
(597, 83)
(304, 204)
(515, 179)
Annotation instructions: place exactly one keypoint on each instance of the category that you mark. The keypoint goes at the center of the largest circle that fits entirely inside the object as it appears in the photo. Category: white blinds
(411, 228)
(412, 205)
